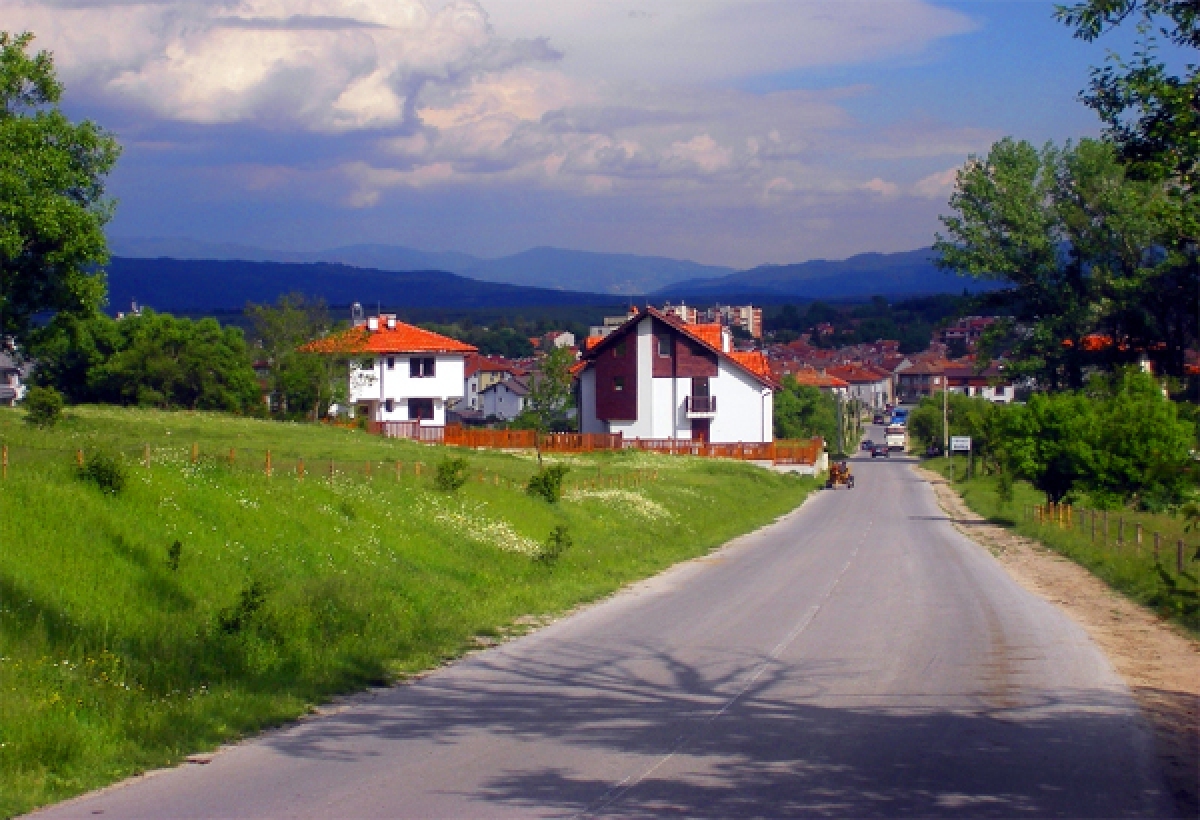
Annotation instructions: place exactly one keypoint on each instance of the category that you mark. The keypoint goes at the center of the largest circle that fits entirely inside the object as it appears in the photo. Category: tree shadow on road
(755, 737)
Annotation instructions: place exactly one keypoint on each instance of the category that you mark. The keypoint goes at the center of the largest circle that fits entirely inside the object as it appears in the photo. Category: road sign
(960, 444)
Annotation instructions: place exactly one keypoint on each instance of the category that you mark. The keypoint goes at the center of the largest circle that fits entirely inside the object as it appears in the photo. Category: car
(932, 451)
(868, 445)
(879, 419)
(880, 450)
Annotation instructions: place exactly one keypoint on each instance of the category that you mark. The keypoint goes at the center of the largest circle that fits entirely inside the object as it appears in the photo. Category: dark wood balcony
(701, 407)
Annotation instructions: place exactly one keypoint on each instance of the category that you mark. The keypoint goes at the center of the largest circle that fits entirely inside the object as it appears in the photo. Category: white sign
(960, 443)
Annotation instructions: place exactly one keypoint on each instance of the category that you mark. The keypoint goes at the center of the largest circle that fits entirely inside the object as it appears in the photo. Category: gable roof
(516, 386)
(403, 338)
(701, 334)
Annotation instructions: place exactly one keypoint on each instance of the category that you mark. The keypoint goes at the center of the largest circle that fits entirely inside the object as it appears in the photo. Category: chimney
(373, 324)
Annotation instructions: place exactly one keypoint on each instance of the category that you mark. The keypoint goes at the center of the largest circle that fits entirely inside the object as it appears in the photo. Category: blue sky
(734, 132)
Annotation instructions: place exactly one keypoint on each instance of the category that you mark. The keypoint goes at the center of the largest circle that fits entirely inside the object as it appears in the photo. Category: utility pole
(945, 417)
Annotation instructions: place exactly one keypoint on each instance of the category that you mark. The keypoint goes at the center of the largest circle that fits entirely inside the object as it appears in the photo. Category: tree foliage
(153, 360)
(299, 384)
(803, 411)
(1118, 440)
(1082, 245)
(550, 395)
(52, 204)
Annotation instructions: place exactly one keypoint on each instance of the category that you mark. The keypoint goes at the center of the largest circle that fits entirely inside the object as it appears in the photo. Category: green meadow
(207, 599)
(1110, 550)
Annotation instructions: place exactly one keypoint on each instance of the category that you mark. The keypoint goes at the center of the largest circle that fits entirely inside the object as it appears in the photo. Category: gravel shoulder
(1159, 662)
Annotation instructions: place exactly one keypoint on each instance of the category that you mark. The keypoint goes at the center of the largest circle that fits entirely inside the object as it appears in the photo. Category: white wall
(743, 411)
(376, 384)
(501, 402)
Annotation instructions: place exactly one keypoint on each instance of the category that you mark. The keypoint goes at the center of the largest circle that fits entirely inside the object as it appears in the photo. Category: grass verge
(1116, 557)
(205, 600)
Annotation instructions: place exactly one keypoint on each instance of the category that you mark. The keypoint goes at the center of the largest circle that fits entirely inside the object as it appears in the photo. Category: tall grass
(1135, 570)
(206, 600)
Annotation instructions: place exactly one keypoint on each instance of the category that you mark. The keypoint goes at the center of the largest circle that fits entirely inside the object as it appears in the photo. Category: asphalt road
(859, 658)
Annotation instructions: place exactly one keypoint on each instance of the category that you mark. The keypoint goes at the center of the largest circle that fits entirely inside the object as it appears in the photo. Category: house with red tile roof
(658, 376)
(481, 373)
(399, 372)
(870, 385)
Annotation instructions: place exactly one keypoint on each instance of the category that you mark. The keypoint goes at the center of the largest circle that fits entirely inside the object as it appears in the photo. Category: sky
(735, 132)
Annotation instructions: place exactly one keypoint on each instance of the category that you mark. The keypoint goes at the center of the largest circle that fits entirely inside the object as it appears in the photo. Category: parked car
(868, 444)
(880, 450)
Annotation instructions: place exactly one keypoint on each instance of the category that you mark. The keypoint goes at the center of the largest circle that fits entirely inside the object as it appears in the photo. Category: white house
(657, 376)
(505, 399)
(12, 377)
(481, 373)
(399, 372)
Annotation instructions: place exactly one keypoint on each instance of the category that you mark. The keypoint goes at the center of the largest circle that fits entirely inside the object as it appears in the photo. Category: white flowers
(471, 522)
(624, 500)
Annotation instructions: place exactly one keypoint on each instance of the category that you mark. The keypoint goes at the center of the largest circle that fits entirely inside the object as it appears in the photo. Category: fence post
(1139, 536)
(268, 464)
(232, 456)
(300, 469)
(367, 469)
(146, 455)
(417, 469)
(1179, 555)
(1106, 528)
(331, 468)
(1121, 531)
(195, 452)
(399, 469)
(1157, 539)
(1093, 526)
(5, 460)
(79, 458)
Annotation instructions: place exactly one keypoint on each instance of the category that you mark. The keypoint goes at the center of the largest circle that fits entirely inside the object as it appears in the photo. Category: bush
(237, 618)
(559, 542)
(548, 483)
(174, 553)
(451, 474)
(43, 406)
(105, 471)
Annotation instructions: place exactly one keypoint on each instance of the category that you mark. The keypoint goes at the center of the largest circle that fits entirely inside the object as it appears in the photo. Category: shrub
(43, 406)
(105, 471)
(451, 474)
(236, 618)
(559, 542)
(548, 483)
(174, 553)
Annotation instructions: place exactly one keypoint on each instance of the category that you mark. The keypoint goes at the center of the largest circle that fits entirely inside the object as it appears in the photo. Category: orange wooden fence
(804, 451)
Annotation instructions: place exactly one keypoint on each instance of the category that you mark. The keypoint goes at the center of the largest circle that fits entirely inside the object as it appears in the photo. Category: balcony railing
(701, 406)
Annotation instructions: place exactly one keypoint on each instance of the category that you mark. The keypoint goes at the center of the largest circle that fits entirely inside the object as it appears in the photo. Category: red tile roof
(755, 361)
(404, 338)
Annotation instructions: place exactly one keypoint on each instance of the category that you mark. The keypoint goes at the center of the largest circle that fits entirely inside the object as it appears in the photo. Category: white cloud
(936, 186)
(882, 187)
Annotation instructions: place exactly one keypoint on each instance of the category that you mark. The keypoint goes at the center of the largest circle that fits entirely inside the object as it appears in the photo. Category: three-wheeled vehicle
(839, 476)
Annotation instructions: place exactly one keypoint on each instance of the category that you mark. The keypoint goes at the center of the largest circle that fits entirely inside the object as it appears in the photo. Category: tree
(52, 204)
(1080, 243)
(803, 411)
(550, 394)
(304, 383)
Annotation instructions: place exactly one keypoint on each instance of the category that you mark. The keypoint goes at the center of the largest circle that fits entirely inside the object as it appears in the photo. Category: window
(664, 346)
(389, 405)
(421, 368)
(420, 409)
(391, 362)
(619, 350)
(618, 383)
(366, 364)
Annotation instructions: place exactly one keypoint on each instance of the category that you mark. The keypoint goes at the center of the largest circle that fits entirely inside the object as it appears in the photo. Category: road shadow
(762, 738)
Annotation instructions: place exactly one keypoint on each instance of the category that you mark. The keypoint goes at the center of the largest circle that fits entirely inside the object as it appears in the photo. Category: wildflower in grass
(628, 502)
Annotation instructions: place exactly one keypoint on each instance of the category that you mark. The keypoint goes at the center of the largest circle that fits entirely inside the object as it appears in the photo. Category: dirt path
(1160, 663)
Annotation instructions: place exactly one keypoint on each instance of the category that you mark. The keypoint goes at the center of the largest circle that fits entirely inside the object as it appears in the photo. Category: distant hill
(188, 285)
(539, 267)
(910, 273)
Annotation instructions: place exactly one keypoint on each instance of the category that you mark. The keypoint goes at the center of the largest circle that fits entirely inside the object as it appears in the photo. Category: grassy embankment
(121, 652)
(1128, 567)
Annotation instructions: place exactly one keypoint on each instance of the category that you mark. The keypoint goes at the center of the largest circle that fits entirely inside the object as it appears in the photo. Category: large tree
(1082, 245)
(298, 383)
(52, 203)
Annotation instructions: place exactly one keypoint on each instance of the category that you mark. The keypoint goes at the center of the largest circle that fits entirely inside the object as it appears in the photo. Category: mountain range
(555, 268)
(199, 285)
(909, 273)
(187, 275)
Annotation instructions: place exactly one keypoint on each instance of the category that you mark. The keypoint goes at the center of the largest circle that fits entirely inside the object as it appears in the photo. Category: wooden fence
(1101, 530)
(802, 451)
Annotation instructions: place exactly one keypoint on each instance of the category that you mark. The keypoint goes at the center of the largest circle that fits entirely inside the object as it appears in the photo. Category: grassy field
(1127, 566)
(207, 600)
